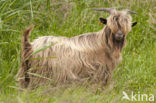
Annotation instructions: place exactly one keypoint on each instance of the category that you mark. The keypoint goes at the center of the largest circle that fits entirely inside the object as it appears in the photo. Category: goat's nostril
(119, 33)
(119, 36)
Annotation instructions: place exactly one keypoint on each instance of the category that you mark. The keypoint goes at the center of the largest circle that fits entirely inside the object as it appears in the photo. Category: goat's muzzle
(119, 36)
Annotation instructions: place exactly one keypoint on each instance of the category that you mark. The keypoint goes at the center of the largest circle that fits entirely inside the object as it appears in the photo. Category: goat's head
(120, 22)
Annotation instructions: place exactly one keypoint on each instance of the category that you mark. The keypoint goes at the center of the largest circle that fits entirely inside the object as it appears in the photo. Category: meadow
(69, 18)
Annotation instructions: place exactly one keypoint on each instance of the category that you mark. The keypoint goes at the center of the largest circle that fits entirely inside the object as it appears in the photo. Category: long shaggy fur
(92, 56)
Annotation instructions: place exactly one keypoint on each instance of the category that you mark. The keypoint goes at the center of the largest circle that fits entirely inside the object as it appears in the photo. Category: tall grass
(69, 18)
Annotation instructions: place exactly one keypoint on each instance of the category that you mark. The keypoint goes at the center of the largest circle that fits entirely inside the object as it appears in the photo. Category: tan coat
(92, 56)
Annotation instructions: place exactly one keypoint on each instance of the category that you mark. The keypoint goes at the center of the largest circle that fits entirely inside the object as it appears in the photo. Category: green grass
(137, 72)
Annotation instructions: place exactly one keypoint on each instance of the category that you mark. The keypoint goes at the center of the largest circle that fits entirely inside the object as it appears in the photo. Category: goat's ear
(133, 24)
(103, 21)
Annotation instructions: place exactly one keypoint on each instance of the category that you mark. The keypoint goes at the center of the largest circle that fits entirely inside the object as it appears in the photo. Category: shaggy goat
(91, 56)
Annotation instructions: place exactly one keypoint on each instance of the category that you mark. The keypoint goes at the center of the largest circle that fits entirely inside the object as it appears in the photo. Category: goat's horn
(110, 10)
(129, 11)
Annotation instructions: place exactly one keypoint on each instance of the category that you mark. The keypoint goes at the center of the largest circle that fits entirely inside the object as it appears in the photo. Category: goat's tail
(22, 75)
(26, 45)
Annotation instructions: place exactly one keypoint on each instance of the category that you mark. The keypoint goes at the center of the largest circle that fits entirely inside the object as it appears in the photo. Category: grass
(69, 18)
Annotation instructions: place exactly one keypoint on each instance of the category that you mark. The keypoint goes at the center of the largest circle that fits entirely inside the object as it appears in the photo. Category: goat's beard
(118, 43)
(110, 37)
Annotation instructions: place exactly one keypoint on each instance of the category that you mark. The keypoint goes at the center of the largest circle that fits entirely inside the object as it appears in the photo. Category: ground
(136, 73)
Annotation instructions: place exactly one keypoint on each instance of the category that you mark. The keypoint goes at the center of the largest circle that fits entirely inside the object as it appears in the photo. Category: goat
(91, 56)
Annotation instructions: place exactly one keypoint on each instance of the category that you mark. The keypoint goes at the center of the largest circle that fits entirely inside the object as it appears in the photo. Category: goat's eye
(116, 18)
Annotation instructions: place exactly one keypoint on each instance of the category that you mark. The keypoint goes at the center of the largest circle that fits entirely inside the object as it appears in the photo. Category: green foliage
(69, 18)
